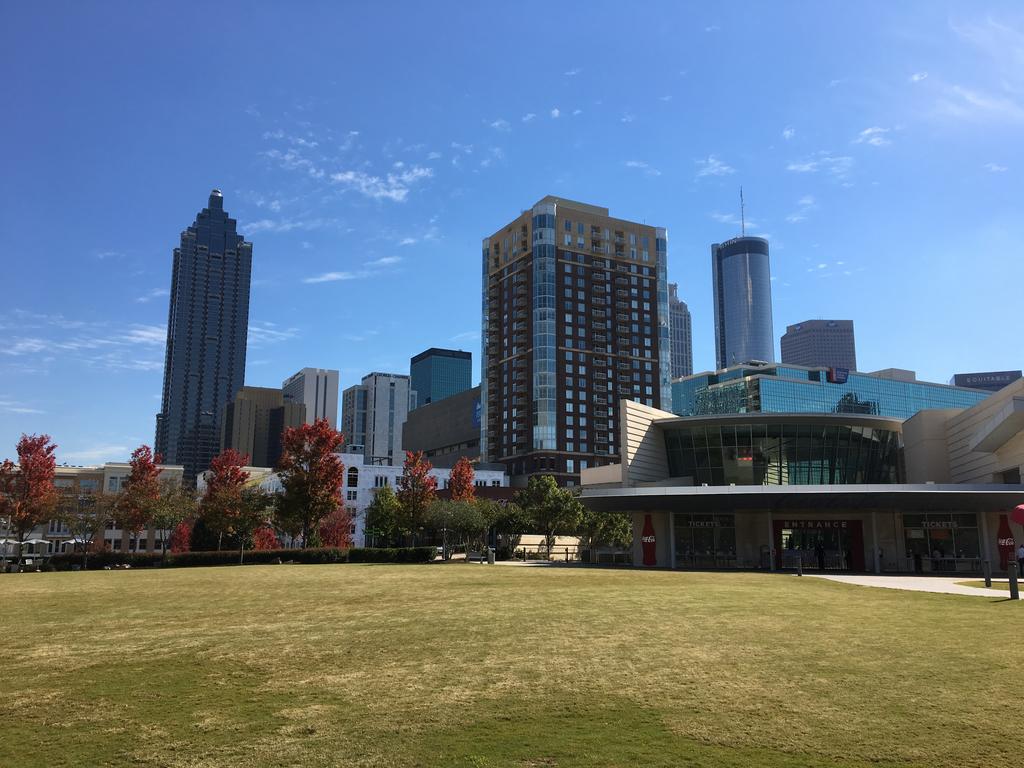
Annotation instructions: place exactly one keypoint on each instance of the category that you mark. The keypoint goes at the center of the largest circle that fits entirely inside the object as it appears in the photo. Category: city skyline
(362, 218)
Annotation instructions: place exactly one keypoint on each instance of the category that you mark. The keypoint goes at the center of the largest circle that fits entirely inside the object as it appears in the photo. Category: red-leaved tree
(222, 502)
(27, 493)
(460, 481)
(416, 491)
(264, 538)
(312, 475)
(336, 529)
(140, 492)
(181, 537)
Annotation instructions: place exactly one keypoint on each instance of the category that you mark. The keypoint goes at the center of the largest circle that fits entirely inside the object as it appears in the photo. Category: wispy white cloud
(367, 270)
(666, 97)
(995, 167)
(788, 133)
(97, 454)
(804, 205)
(875, 136)
(501, 125)
(263, 333)
(712, 28)
(644, 166)
(712, 166)
(733, 219)
(917, 77)
(836, 82)
(577, 112)
(465, 336)
(393, 186)
(153, 293)
(979, 106)
(9, 405)
(286, 225)
(838, 166)
(528, 117)
(556, 112)
(627, 118)
(434, 156)
(573, 72)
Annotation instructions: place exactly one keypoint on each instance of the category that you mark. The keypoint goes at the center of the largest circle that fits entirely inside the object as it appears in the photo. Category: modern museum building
(820, 491)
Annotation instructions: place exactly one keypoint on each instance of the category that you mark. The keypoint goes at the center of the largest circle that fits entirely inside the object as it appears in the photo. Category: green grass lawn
(470, 665)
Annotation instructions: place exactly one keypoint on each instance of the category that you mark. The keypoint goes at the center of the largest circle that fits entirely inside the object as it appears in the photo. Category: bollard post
(800, 565)
(986, 569)
(1014, 587)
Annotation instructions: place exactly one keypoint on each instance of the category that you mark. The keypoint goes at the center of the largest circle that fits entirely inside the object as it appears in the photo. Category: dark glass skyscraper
(681, 333)
(440, 373)
(743, 302)
(207, 327)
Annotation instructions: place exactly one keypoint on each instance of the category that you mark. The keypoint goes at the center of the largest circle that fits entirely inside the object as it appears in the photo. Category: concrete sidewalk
(939, 584)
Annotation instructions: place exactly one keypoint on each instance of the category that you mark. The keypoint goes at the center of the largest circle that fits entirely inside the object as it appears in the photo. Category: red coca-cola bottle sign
(649, 542)
(1005, 542)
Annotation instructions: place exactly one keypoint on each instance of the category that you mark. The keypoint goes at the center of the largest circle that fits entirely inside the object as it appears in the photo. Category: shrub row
(101, 560)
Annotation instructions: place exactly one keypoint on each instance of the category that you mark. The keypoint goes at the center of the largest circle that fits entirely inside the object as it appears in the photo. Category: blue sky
(366, 149)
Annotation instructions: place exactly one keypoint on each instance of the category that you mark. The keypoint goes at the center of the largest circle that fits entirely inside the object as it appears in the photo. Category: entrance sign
(1005, 542)
(649, 542)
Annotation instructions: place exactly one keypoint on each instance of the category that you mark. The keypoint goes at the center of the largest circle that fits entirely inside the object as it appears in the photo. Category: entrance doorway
(819, 545)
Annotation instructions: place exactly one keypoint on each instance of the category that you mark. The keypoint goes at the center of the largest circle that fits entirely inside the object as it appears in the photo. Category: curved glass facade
(775, 452)
(743, 301)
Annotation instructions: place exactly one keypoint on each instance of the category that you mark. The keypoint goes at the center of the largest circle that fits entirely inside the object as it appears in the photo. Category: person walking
(1020, 560)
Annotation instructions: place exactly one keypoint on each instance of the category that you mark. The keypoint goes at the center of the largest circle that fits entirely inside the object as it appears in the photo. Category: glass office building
(743, 301)
(207, 330)
(794, 389)
(440, 373)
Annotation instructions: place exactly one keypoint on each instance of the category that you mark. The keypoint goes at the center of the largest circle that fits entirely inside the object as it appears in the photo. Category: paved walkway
(941, 584)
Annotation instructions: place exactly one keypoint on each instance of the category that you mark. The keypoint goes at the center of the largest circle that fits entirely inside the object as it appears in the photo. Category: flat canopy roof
(921, 498)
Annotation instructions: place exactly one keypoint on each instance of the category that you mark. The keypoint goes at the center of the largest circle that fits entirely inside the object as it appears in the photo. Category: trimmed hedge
(395, 555)
(317, 555)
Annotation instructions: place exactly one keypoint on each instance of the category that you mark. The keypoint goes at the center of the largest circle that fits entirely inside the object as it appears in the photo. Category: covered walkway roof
(922, 498)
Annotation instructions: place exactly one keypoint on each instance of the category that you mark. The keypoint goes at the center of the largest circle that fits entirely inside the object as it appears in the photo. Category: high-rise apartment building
(680, 332)
(254, 422)
(827, 343)
(372, 415)
(575, 318)
(440, 373)
(317, 389)
(741, 278)
(207, 327)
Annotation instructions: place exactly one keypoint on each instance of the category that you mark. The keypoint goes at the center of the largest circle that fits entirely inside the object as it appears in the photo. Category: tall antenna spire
(743, 216)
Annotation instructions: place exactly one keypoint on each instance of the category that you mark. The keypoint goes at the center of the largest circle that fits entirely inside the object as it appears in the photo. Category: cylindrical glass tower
(743, 302)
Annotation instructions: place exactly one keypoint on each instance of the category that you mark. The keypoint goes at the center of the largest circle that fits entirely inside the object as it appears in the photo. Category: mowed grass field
(470, 665)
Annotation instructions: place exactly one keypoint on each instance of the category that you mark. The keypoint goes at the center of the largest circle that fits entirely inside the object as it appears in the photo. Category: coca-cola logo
(1005, 542)
(647, 539)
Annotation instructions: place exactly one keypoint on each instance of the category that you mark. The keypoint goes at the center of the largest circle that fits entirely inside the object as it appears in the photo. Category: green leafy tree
(508, 521)
(256, 509)
(460, 521)
(312, 475)
(416, 491)
(551, 510)
(85, 516)
(383, 517)
(604, 529)
(175, 505)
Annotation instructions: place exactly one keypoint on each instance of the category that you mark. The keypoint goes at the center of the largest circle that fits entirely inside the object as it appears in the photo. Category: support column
(672, 539)
(771, 542)
(874, 541)
(985, 543)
